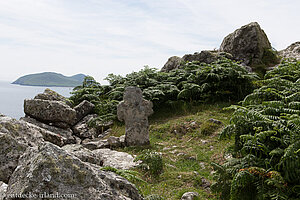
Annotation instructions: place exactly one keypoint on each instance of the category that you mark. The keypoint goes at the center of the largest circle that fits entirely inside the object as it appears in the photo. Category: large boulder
(83, 109)
(25, 133)
(56, 134)
(116, 159)
(51, 170)
(247, 44)
(292, 51)
(49, 111)
(10, 151)
(172, 63)
(51, 95)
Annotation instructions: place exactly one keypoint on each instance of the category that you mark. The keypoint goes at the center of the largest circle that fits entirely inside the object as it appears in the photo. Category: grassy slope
(186, 153)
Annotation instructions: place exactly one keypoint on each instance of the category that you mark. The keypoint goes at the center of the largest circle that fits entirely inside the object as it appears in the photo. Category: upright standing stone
(134, 110)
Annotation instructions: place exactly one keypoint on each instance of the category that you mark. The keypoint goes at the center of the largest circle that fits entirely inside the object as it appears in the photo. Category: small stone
(189, 196)
(119, 160)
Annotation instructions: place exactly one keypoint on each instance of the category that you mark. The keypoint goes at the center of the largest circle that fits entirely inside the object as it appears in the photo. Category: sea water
(12, 97)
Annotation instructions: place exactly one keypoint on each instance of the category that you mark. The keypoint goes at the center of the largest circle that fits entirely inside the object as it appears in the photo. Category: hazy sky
(98, 37)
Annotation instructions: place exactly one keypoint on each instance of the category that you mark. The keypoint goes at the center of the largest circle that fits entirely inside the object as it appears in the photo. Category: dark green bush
(223, 80)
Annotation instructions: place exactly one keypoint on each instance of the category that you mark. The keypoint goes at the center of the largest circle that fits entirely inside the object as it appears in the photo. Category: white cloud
(99, 37)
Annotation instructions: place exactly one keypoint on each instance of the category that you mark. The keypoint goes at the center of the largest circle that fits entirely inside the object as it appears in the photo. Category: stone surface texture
(49, 111)
(83, 130)
(51, 95)
(189, 196)
(83, 109)
(64, 134)
(25, 133)
(84, 154)
(172, 63)
(52, 170)
(10, 151)
(3, 188)
(134, 110)
(119, 160)
(247, 44)
(292, 51)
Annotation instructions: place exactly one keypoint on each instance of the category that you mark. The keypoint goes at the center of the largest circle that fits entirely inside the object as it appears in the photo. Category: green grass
(188, 143)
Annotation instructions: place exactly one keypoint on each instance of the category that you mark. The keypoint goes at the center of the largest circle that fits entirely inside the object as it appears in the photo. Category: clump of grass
(208, 128)
(151, 161)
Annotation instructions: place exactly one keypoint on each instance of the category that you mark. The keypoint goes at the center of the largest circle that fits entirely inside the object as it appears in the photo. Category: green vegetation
(269, 59)
(50, 79)
(266, 127)
(261, 161)
(186, 157)
(223, 80)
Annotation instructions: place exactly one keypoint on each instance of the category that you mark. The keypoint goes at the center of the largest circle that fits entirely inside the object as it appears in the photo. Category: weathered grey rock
(292, 51)
(3, 188)
(52, 170)
(83, 154)
(52, 96)
(115, 142)
(172, 63)
(49, 111)
(10, 151)
(208, 57)
(82, 129)
(96, 143)
(134, 110)
(247, 44)
(204, 56)
(83, 109)
(62, 125)
(116, 159)
(189, 196)
(25, 133)
(65, 134)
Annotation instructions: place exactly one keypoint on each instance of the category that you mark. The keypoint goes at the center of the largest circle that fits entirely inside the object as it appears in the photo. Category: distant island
(50, 79)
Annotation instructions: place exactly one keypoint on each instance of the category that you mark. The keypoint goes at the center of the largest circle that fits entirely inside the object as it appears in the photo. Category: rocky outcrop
(83, 130)
(208, 57)
(84, 154)
(51, 95)
(51, 170)
(49, 111)
(116, 159)
(292, 51)
(96, 143)
(10, 151)
(172, 63)
(205, 56)
(23, 132)
(65, 135)
(247, 44)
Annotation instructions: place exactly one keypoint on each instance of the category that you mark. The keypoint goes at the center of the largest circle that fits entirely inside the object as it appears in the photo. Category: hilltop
(50, 79)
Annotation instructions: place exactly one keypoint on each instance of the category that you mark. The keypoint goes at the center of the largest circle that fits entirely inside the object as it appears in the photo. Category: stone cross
(134, 110)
